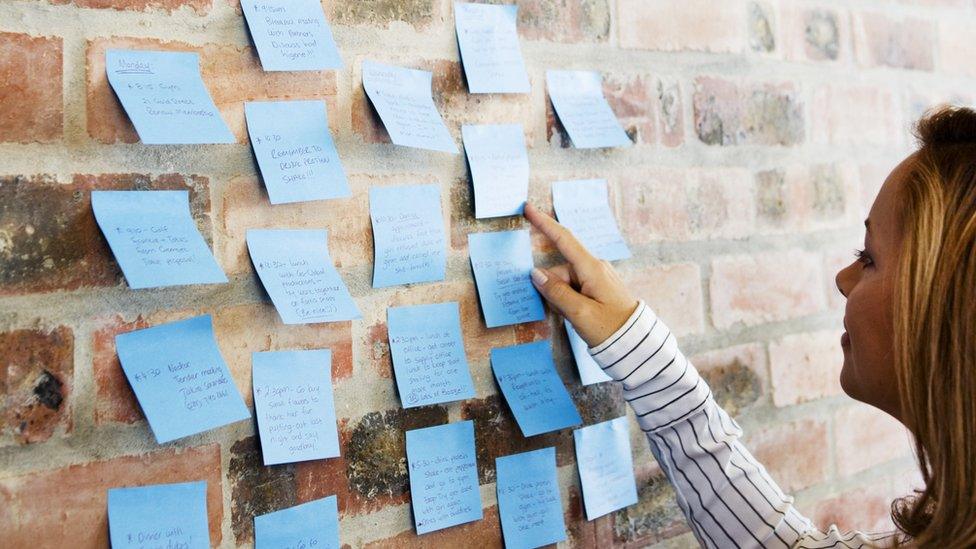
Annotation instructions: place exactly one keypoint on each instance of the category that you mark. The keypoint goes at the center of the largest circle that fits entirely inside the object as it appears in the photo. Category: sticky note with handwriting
(291, 35)
(159, 515)
(311, 525)
(296, 270)
(402, 98)
(165, 98)
(294, 405)
(428, 354)
(409, 238)
(606, 467)
(443, 476)
(529, 502)
(583, 206)
(180, 378)
(589, 371)
(533, 388)
(502, 263)
(154, 238)
(583, 110)
(295, 151)
(499, 168)
(488, 39)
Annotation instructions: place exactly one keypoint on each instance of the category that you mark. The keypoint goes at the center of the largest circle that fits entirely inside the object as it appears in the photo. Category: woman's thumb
(567, 301)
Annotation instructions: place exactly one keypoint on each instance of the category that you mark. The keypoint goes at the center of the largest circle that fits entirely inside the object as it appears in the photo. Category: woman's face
(868, 284)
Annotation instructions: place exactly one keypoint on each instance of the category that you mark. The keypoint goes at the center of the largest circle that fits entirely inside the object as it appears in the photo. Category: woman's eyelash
(862, 255)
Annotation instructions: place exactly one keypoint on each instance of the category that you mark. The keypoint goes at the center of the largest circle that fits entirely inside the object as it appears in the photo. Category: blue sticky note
(502, 264)
(154, 238)
(606, 467)
(291, 35)
(165, 98)
(179, 378)
(312, 525)
(489, 44)
(295, 151)
(529, 502)
(402, 97)
(499, 168)
(583, 206)
(160, 515)
(443, 476)
(533, 389)
(294, 405)
(409, 239)
(578, 99)
(589, 371)
(428, 354)
(298, 274)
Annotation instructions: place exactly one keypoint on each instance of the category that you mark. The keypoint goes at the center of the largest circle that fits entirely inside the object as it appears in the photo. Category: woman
(909, 350)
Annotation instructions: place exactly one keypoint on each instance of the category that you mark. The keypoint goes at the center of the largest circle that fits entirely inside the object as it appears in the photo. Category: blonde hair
(935, 330)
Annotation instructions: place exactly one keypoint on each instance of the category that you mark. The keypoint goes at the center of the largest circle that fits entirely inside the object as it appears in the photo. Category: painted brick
(956, 47)
(762, 27)
(883, 41)
(30, 100)
(856, 115)
(778, 449)
(731, 113)
(36, 376)
(673, 291)
(877, 436)
(805, 367)
(48, 236)
(765, 287)
(200, 7)
(801, 198)
(737, 375)
(67, 507)
(675, 25)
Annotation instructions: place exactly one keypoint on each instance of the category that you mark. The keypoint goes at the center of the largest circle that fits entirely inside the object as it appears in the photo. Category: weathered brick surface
(674, 25)
(877, 436)
(805, 367)
(200, 7)
(777, 448)
(30, 98)
(902, 43)
(729, 113)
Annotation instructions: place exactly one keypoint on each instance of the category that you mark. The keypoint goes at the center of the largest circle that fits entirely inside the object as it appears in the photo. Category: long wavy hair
(935, 330)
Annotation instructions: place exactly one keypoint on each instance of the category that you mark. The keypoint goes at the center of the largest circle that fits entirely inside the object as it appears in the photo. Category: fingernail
(539, 277)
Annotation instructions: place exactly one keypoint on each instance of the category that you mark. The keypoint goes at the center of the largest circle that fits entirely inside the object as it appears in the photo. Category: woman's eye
(863, 257)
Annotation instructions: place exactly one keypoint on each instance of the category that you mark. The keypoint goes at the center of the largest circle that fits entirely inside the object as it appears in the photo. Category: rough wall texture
(763, 130)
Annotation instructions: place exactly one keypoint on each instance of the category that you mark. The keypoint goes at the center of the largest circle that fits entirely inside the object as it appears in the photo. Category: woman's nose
(846, 278)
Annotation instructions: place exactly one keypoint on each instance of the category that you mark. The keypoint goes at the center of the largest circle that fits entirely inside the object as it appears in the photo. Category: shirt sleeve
(727, 496)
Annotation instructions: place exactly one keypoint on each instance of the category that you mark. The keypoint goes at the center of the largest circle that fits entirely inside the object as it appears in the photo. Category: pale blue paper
(294, 404)
(298, 274)
(488, 39)
(533, 389)
(180, 379)
(499, 168)
(583, 110)
(159, 515)
(589, 371)
(312, 525)
(529, 502)
(502, 264)
(409, 239)
(295, 151)
(443, 476)
(291, 35)
(606, 467)
(583, 206)
(402, 98)
(165, 98)
(154, 238)
(428, 354)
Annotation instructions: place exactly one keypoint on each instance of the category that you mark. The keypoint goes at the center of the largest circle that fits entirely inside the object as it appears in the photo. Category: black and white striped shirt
(727, 496)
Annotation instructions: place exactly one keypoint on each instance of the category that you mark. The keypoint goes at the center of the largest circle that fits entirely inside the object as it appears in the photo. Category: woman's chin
(847, 378)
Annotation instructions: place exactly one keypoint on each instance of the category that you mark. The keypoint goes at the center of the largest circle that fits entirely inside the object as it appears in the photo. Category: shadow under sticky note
(410, 241)
(529, 502)
(606, 467)
(577, 97)
(502, 265)
(160, 515)
(533, 389)
(488, 40)
(312, 525)
(291, 35)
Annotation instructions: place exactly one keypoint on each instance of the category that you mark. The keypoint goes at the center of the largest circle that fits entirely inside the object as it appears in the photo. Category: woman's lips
(845, 340)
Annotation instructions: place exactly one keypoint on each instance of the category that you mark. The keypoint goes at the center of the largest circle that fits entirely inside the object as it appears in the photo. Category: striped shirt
(726, 495)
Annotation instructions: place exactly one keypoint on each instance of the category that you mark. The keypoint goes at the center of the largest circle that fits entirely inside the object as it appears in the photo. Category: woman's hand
(585, 290)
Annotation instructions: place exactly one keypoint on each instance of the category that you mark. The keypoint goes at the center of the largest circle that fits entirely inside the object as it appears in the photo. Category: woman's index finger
(561, 237)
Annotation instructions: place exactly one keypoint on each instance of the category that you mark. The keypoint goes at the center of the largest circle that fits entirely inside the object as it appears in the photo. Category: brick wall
(763, 130)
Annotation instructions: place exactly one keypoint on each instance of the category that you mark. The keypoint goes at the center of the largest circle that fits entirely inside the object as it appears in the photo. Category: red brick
(903, 43)
(675, 25)
(805, 367)
(31, 106)
(483, 533)
(564, 20)
(114, 399)
(67, 507)
(877, 437)
(232, 74)
(686, 204)
(36, 376)
(856, 115)
(737, 375)
(381, 13)
(201, 7)
(765, 287)
(734, 113)
(799, 198)
(866, 509)
(673, 291)
(781, 449)
(48, 236)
